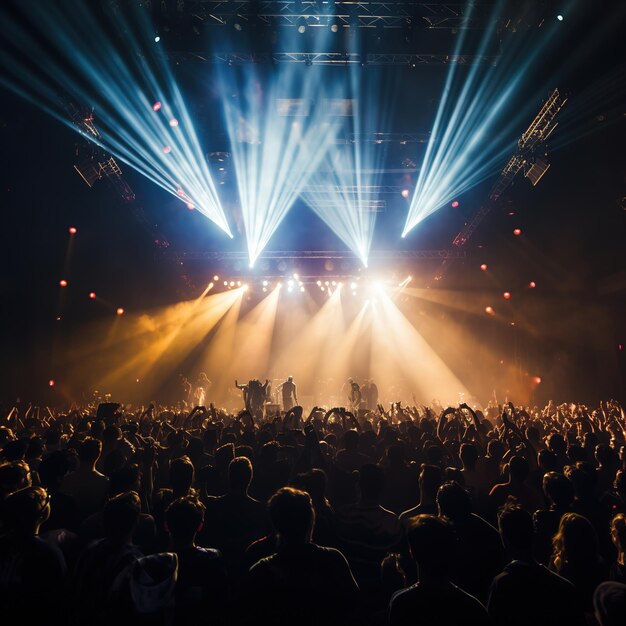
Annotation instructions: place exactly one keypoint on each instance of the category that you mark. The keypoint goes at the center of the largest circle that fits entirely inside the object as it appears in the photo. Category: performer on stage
(202, 388)
(290, 397)
(355, 398)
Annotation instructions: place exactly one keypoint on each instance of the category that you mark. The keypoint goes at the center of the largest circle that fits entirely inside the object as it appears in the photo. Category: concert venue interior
(427, 194)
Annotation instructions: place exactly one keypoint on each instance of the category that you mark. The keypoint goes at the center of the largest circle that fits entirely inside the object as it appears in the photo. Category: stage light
(173, 122)
(489, 310)
(483, 267)
(478, 116)
(232, 283)
(72, 230)
(237, 26)
(92, 295)
(333, 283)
(322, 289)
(290, 289)
(265, 283)
(301, 28)
(506, 295)
(334, 28)
(157, 39)
(280, 285)
(120, 311)
(559, 17)
(517, 231)
(353, 286)
(216, 277)
(327, 283)
(123, 90)
(58, 319)
(264, 289)
(290, 283)
(302, 289)
(51, 383)
(532, 284)
(211, 285)
(405, 193)
(190, 206)
(537, 380)
(63, 283)
(225, 283)
(244, 287)
(167, 149)
(455, 204)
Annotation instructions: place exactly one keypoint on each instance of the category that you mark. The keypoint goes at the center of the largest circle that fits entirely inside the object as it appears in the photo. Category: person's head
(126, 478)
(120, 516)
(184, 518)
(495, 449)
(291, 513)
(432, 545)
(430, 479)
(371, 481)
(575, 544)
(618, 532)
(518, 469)
(24, 511)
(89, 451)
(111, 434)
(619, 483)
(351, 440)
(181, 475)
(557, 444)
(469, 456)
(434, 455)
(290, 379)
(516, 529)
(546, 460)
(13, 476)
(606, 456)
(609, 603)
(558, 489)
(582, 479)
(239, 474)
(454, 502)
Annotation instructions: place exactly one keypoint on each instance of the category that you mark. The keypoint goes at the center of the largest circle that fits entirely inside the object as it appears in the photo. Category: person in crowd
(289, 394)
(430, 479)
(434, 599)
(302, 583)
(526, 593)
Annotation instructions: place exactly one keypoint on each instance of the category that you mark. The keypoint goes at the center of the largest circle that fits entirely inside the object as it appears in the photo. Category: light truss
(313, 13)
(398, 255)
(535, 135)
(329, 58)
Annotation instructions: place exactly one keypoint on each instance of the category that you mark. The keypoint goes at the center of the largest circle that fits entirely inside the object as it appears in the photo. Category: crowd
(412, 515)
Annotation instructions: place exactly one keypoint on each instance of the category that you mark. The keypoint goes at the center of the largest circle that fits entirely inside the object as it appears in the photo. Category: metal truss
(330, 58)
(354, 189)
(535, 135)
(327, 13)
(397, 255)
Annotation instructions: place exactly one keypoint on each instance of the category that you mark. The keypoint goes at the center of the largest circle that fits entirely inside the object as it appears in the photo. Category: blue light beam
(70, 52)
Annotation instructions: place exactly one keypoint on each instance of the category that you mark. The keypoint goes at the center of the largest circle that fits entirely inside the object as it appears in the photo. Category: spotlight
(72, 230)
(290, 283)
(216, 277)
(237, 26)
(289, 289)
(301, 28)
(334, 28)
(455, 204)
(532, 284)
(483, 267)
(489, 310)
(167, 149)
(506, 295)
(51, 383)
(265, 283)
(92, 295)
(173, 122)
(63, 283)
(157, 39)
(211, 285)
(120, 311)
(302, 289)
(232, 283)
(319, 283)
(405, 193)
(559, 17)
(327, 283)
(264, 289)
(225, 283)
(323, 288)
(156, 106)
(245, 287)
(238, 283)
(517, 231)
(537, 380)
(353, 286)
(190, 206)
(334, 283)
(280, 285)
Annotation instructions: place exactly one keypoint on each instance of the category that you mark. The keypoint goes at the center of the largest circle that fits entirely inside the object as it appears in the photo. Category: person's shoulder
(403, 597)
(208, 554)
(467, 600)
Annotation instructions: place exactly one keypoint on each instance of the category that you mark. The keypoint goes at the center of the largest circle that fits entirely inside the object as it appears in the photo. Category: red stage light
(483, 267)
(506, 295)
(180, 193)
(72, 230)
(405, 193)
(173, 122)
(156, 106)
(92, 295)
(489, 310)
(190, 206)
(51, 383)
(63, 283)
(120, 311)
(517, 231)
(167, 149)
(532, 284)
(455, 204)
(537, 380)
